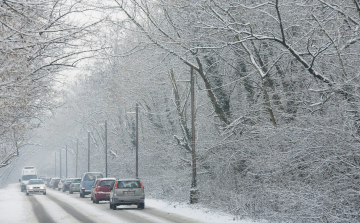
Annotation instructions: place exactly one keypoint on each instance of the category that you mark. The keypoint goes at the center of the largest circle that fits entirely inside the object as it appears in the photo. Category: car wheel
(111, 206)
(93, 200)
(71, 192)
(27, 193)
(141, 205)
(44, 193)
(114, 207)
(58, 189)
(96, 201)
(22, 189)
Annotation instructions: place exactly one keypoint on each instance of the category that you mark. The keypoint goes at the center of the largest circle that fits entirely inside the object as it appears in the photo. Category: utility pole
(88, 151)
(106, 164)
(77, 151)
(137, 140)
(55, 164)
(193, 191)
(66, 175)
(60, 163)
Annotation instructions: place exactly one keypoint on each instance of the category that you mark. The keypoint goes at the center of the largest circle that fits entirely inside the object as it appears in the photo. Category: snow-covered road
(57, 206)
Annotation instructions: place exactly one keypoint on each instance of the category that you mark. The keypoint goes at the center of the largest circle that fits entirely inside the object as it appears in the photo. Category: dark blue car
(87, 181)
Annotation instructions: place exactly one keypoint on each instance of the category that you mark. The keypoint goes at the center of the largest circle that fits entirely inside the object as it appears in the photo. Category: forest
(276, 89)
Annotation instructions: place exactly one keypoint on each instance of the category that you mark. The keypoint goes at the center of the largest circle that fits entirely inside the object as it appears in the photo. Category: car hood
(36, 185)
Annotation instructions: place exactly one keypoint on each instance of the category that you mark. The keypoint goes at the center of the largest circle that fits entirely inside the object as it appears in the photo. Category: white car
(35, 186)
(61, 184)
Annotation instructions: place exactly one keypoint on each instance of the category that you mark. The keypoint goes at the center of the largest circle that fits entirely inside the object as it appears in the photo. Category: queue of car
(116, 191)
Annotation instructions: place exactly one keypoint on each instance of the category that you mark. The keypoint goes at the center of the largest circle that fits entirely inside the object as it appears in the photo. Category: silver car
(75, 186)
(35, 186)
(127, 192)
(61, 184)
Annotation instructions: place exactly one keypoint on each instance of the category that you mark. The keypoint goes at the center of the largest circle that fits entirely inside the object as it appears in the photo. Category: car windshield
(77, 181)
(29, 177)
(36, 182)
(92, 176)
(69, 180)
(128, 184)
(107, 183)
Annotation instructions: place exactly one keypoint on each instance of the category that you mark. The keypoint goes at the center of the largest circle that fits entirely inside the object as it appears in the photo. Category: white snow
(195, 212)
(16, 207)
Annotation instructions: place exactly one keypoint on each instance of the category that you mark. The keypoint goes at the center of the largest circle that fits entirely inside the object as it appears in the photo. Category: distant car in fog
(54, 182)
(61, 184)
(47, 181)
(50, 183)
(67, 184)
(101, 189)
(75, 185)
(87, 180)
(35, 186)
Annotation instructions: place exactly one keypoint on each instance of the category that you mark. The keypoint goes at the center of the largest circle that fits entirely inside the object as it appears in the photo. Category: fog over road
(57, 206)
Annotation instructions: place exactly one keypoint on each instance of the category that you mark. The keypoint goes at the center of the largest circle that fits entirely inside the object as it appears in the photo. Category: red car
(101, 189)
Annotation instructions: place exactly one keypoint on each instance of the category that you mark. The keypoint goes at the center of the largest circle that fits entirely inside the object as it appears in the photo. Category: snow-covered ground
(17, 207)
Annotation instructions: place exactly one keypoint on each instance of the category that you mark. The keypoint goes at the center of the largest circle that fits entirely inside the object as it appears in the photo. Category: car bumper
(102, 196)
(128, 200)
(85, 191)
(32, 191)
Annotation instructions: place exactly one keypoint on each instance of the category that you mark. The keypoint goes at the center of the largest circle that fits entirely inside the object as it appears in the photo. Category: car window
(107, 183)
(77, 181)
(29, 177)
(36, 182)
(92, 176)
(128, 184)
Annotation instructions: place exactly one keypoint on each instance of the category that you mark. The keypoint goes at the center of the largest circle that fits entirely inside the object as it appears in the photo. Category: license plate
(129, 192)
(107, 195)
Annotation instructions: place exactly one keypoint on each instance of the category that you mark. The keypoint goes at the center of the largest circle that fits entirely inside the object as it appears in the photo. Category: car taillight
(83, 187)
(141, 184)
(97, 189)
(116, 184)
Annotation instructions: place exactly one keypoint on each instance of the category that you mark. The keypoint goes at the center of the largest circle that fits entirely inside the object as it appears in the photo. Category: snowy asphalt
(58, 206)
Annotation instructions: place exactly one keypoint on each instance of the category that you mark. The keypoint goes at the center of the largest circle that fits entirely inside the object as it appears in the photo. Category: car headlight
(30, 188)
(42, 187)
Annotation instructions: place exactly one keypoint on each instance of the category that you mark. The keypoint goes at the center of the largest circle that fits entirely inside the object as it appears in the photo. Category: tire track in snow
(40, 213)
(77, 215)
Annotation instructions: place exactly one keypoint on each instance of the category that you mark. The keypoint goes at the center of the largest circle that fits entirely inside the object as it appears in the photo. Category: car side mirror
(110, 188)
